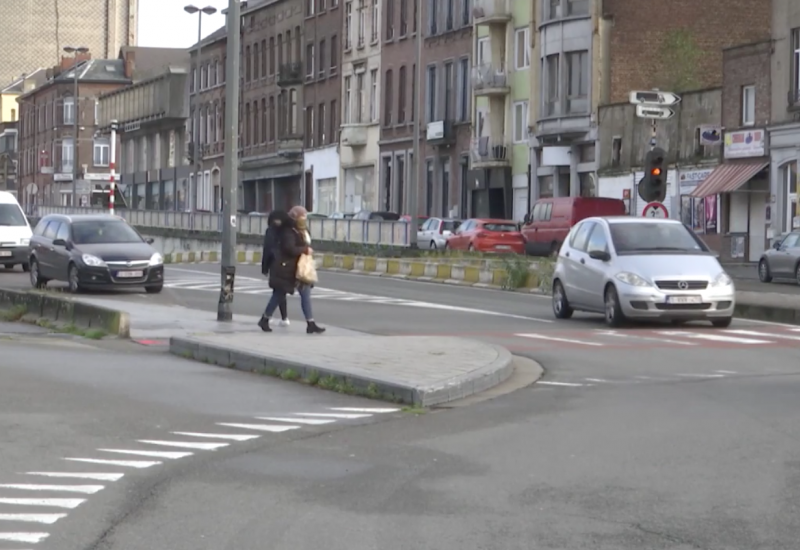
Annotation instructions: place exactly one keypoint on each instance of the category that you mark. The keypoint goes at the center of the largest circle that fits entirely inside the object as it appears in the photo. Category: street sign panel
(655, 210)
(658, 113)
(653, 97)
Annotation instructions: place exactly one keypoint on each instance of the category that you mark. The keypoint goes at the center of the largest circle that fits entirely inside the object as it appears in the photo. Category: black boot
(264, 324)
(312, 328)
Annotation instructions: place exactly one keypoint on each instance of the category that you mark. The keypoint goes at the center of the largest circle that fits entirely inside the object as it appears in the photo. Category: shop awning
(729, 177)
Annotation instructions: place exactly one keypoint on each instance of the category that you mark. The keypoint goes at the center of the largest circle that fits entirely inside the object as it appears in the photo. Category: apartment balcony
(440, 133)
(290, 74)
(489, 152)
(354, 135)
(490, 80)
(491, 12)
(794, 100)
(290, 145)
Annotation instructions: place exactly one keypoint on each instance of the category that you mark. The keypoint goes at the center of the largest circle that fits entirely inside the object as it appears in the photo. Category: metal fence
(323, 229)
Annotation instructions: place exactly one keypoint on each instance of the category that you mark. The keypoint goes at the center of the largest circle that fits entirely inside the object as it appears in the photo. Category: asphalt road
(634, 440)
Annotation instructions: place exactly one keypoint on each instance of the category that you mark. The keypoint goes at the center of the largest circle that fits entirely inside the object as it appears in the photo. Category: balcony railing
(290, 74)
(490, 78)
(490, 151)
(491, 11)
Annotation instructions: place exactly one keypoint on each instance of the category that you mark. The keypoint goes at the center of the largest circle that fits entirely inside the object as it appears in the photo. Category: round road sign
(655, 210)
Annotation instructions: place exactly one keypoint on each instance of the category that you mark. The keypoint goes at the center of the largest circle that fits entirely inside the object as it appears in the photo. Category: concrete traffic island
(413, 370)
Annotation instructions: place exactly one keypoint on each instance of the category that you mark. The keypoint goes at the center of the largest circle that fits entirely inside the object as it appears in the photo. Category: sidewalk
(415, 370)
(768, 306)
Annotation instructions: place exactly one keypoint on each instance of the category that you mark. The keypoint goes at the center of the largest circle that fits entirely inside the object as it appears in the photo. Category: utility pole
(230, 178)
(413, 201)
(75, 110)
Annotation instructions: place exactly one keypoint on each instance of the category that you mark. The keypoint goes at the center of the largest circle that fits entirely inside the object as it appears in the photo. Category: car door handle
(52, 249)
(566, 254)
(583, 261)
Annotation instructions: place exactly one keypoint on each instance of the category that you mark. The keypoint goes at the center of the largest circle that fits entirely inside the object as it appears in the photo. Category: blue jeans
(279, 296)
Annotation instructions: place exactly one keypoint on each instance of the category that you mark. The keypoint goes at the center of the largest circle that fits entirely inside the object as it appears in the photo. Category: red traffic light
(655, 171)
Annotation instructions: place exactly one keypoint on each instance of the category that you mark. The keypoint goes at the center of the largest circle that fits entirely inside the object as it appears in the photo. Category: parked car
(487, 235)
(549, 221)
(93, 251)
(15, 233)
(376, 216)
(640, 268)
(420, 220)
(782, 260)
(342, 216)
(435, 231)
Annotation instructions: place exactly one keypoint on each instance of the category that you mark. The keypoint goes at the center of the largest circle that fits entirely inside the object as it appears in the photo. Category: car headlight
(722, 280)
(24, 242)
(92, 261)
(632, 279)
(156, 259)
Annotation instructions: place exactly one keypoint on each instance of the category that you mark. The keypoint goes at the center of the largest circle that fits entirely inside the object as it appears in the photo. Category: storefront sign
(745, 144)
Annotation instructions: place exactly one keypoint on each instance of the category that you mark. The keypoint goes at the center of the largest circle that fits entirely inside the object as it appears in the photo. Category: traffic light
(653, 186)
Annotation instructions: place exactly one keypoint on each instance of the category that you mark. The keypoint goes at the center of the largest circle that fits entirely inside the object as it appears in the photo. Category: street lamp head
(209, 10)
(191, 9)
(82, 49)
(73, 49)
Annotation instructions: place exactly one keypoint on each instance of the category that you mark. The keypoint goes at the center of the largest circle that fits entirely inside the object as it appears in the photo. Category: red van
(549, 221)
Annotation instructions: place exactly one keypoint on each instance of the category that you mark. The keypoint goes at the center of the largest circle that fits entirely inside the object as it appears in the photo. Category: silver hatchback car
(640, 268)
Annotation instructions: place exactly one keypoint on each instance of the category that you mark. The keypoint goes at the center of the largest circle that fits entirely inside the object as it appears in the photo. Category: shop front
(785, 160)
(734, 199)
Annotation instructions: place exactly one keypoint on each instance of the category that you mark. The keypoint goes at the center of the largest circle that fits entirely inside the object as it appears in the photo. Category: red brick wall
(745, 66)
(641, 28)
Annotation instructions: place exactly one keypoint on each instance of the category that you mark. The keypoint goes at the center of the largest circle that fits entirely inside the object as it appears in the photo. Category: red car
(488, 235)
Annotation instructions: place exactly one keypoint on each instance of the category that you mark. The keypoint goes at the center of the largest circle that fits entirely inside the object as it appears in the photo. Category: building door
(309, 191)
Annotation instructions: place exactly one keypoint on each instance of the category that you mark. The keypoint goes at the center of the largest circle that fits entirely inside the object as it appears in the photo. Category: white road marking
(726, 371)
(702, 375)
(716, 337)
(343, 416)
(562, 340)
(568, 384)
(596, 380)
(48, 519)
(186, 444)
(96, 477)
(139, 464)
(309, 421)
(651, 339)
(762, 335)
(153, 454)
(85, 489)
(367, 410)
(69, 503)
(259, 427)
(232, 437)
(654, 379)
(33, 538)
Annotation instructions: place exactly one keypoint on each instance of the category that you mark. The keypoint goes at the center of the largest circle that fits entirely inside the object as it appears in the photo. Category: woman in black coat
(274, 222)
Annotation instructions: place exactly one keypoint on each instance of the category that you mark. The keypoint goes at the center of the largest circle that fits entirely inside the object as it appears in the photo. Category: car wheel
(554, 248)
(471, 248)
(722, 323)
(36, 280)
(26, 268)
(797, 273)
(763, 272)
(73, 279)
(613, 311)
(433, 245)
(561, 307)
(155, 289)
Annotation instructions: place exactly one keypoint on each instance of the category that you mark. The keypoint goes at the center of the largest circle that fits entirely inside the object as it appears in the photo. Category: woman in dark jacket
(274, 222)
(291, 244)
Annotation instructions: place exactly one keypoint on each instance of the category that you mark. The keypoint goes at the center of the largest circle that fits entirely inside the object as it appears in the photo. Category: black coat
(290, 246)
(269, 249)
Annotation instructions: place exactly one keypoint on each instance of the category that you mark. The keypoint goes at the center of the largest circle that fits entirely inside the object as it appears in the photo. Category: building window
(271, 118)
(431, 99)
(67, 154)
(551, 72)
(101, 152)
(576, 8)
(578, 82)
(466, 12)
(248, 72)
(522, 50)
(256, 122)
(616, 151)
(449, 15)
(429, 175)
(413, 92)
(348, 25)
(520, 122)
(789, 177)
(359, 109)
(484, 55)
(463, 90)
(373, 96)
(414, 15)
(310, 5)
(795, 83)
(387, 98)
(400, 177)
(321, 121)
(748, 105)
(433, 11)
(279, 50)
(401, 95)
(69, 111)
(322, 58)
(403, 18)
(310, 126)
(362, 23)
(271, 55)
(322, 6)
(375, 21)
(246, 126)
(449, 104)
(334, 53)
(386, 176)
(334, 125)
(310, 61)
(293, 111)
(389, 19)
(348, 96)
(288, 46)
(256, 63)
(445, 165)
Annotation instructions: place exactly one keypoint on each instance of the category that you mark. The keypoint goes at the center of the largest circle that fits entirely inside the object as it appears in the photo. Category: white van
(15, 233)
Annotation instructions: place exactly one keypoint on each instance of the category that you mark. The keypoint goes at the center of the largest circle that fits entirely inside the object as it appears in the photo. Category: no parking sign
(655, 210)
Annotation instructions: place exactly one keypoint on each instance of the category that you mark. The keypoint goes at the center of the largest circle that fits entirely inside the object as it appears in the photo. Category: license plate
(5, 253)
(129, 274)
(684, 300)
(503, 247)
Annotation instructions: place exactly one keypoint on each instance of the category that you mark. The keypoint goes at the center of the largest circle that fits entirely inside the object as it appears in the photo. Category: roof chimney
(67, 62)
(130, 63)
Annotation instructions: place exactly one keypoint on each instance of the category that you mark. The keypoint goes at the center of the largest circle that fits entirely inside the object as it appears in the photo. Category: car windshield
(660, 238)
(500, 227)
(10, 214)
(104, 232)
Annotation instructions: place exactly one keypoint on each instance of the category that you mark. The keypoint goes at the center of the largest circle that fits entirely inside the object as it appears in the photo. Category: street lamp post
(198, 159)
(230, 179)
(75, 51)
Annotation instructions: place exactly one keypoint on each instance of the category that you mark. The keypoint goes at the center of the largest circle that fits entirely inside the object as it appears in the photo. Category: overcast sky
(164, 24)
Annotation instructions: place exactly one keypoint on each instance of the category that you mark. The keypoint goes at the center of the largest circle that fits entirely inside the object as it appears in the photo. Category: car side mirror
(149, 241)
(60, 242)
(601, 255)
(777, 245)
